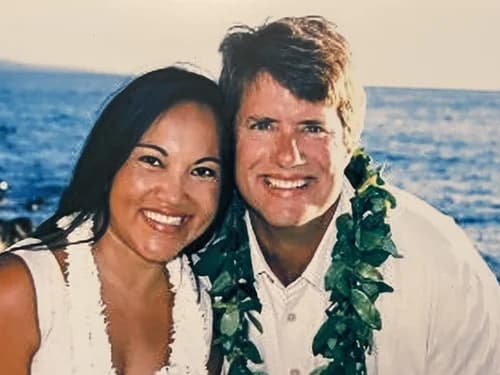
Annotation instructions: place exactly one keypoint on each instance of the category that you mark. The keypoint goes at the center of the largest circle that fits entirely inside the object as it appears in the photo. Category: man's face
(290, 154)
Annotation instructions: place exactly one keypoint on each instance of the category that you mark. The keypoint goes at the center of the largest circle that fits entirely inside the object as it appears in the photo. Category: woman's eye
(151, 160)
(205, 172)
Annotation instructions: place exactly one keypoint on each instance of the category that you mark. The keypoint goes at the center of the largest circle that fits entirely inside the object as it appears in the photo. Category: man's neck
(289, 250)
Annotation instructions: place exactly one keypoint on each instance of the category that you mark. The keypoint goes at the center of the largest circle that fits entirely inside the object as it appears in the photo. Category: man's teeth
(286, 184)
(163, 219)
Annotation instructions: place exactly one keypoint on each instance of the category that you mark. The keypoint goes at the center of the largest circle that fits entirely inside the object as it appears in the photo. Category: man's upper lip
(288, 177)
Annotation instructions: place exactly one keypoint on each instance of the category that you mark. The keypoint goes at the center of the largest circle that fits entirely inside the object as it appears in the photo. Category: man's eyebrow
(312, 122)
(208, 158)
(154, 147)
(256, 118)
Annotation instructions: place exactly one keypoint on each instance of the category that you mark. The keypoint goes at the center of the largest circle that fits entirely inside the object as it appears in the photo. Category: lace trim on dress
(91, 346)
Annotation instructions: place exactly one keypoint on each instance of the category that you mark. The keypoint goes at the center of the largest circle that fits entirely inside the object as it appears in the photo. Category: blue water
(439, 144)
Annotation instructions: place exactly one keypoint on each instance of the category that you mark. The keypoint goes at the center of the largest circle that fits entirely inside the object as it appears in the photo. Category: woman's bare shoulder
(16, 284)
(18, 316)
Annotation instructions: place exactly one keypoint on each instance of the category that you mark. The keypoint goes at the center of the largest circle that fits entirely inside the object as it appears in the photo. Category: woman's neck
(125, 270)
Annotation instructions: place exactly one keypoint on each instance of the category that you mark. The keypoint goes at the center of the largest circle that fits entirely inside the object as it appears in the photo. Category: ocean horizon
(439, 144)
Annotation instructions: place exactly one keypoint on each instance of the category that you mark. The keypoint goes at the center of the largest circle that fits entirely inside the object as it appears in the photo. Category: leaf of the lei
(373, 288)
(372, 193)
(334, 369)
(389, 247)
(370, 235)
(255, 322)
(250, 304)
(239, 368)
(319, 371)
(342, 285)
(344, 223)
(325, 340)
(362, 331)
(378, 204)
(356, 171)
(226, 344)
(350, 367)
(365, 309)
(222, 282)
(340, 326)
(375, 257)
(336, 278)
(248, 292)
(209, 264)
(230, 322)
(332, 273)
(321, 338)
(367, 271)
(251, 352)
(391, 199)
(342, 248)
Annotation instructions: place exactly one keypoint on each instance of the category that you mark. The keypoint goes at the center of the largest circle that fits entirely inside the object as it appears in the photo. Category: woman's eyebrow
(154, 147)
(208, 158)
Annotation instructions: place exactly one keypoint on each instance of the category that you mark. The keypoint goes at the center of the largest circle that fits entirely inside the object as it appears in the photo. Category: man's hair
(306, 55)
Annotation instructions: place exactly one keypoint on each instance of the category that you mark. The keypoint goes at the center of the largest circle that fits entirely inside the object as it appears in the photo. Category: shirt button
(291, 318)
(294, 371)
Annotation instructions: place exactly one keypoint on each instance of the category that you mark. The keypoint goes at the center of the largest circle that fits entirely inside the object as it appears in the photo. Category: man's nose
(287, 151)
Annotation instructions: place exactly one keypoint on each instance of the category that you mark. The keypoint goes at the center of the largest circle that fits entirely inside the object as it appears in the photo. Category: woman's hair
(306, 55)
(116, 132)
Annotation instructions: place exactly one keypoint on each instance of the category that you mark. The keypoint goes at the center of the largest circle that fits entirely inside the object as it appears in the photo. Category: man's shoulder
(418, 219)
(440, 283)
(431, 241)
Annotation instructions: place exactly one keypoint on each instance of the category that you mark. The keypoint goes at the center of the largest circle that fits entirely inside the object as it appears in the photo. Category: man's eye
(151, 160)
(205, 172)
(261, 125)
(313, 129)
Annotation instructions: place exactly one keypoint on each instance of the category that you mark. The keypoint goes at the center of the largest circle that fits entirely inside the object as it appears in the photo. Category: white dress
(73, 327)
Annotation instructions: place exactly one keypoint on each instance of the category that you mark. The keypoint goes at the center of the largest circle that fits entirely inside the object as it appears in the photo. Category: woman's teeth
(163, 219)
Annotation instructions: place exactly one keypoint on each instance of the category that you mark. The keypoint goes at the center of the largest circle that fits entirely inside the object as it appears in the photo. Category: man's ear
(348, 155)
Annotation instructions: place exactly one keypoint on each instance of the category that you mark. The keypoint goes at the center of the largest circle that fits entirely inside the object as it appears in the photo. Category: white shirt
(442, 318)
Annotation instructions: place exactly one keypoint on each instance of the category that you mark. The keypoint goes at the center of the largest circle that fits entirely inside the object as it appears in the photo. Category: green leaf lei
(363, 244)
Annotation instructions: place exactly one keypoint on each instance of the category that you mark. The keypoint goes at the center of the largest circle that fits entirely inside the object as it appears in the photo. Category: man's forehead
(265, 93)
(261, 83)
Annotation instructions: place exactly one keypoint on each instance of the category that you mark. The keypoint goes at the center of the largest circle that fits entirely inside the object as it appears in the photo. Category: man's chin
(283, 219)
(282, 216)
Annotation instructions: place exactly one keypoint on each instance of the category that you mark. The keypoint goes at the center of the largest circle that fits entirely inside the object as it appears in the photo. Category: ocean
(441, 145)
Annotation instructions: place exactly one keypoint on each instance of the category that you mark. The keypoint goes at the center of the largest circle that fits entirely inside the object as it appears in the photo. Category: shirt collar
(315, 271)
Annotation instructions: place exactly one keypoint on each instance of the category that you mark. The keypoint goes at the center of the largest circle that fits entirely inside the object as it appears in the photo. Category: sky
(424, 43)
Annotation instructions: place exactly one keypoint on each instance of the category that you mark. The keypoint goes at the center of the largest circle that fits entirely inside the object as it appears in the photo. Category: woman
(103, 287)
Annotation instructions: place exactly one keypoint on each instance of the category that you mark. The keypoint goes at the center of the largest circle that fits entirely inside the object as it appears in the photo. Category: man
(298, 113)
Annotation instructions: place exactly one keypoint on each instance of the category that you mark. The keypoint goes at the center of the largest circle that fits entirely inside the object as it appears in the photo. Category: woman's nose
(171, 189)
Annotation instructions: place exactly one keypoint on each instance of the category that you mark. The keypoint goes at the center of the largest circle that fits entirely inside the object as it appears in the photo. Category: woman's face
(166, 194)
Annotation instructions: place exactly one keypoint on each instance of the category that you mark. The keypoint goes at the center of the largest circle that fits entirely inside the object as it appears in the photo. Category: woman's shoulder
(17, 302)
(15, 279)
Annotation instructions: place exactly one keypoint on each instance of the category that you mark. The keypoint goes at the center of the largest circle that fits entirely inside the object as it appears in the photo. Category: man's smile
(286, 184)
